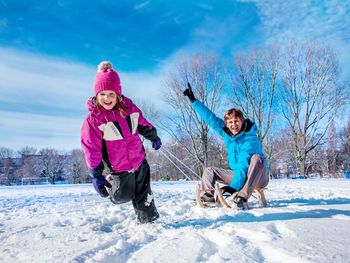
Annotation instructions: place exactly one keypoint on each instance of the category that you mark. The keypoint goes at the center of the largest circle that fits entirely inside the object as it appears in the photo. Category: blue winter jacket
(240, 148)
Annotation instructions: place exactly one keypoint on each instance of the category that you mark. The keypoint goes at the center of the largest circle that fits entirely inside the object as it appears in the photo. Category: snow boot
(241, 202)
(208, 198)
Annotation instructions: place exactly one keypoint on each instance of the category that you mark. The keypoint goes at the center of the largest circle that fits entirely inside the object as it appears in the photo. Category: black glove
(227, 190)
(100, 183)
(189, 93)
(156, 143)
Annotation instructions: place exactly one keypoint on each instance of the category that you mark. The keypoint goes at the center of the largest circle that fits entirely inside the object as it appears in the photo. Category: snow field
(305, 221)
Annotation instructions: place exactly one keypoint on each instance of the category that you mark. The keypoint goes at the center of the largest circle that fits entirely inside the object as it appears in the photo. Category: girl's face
(107, 99)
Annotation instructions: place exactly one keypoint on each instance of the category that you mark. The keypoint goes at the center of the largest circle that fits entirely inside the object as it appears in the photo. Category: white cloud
(21, 129)
(141, 5)
(146, 86)
(44, 81)
(49, 90)
(327, 22)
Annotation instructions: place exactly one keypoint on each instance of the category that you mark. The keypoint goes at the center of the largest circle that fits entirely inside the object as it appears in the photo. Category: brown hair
(233, 113)
(120, 106)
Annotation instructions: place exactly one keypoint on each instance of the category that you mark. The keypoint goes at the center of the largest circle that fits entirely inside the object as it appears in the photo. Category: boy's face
(234, 124)
(107, 99)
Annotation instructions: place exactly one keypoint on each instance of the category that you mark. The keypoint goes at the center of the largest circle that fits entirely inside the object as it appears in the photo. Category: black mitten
(189, 93)
(99, 184)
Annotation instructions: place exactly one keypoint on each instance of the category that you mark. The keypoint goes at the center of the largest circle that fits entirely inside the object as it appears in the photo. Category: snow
(305, 221)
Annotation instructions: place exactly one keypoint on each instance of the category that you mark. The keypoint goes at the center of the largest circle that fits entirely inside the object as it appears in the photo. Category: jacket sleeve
(144, 127)
(240, 170)
(209, 117)
(91, 143)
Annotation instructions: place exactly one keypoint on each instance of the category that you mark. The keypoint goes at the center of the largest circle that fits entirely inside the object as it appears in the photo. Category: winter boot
(241, 202)
(147, 214)
(207, 198)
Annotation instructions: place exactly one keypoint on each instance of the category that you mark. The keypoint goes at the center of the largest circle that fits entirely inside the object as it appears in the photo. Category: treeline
(330, 158)
(173, 161)
(32, 166)
(294, 93)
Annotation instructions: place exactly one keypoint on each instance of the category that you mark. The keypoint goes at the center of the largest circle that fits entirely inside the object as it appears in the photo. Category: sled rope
(182, 163)
(166, 155)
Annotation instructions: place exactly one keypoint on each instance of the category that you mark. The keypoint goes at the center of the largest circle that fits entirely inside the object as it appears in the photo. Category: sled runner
(261, 196)
(220, 200)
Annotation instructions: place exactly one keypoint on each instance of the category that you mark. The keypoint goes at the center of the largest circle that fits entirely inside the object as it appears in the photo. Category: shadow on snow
(247, 216)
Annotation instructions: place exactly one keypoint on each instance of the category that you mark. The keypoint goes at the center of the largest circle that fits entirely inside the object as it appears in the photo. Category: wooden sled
(261, 196)
(199, 201)
(220, 200)
(203, 204)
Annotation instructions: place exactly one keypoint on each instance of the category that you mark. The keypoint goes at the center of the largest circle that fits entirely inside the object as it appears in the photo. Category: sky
(49, 51)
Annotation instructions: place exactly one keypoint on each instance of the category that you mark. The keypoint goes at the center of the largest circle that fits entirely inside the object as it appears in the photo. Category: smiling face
(234, 120)
(107, 99)
(234, 124)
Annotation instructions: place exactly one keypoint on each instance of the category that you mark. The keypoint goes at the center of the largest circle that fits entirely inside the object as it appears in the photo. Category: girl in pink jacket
(110, 140)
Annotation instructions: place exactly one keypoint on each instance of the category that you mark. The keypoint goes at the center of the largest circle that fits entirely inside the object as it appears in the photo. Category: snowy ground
(305, 221)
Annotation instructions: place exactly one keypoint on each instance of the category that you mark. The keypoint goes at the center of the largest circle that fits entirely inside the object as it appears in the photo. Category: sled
(261, 196)
(221, 201)
(199, 202)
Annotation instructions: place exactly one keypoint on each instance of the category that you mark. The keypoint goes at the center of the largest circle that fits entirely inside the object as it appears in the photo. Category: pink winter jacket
(108, 136)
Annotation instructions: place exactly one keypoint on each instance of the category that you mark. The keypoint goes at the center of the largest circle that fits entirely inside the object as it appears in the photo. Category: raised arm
(204, 112)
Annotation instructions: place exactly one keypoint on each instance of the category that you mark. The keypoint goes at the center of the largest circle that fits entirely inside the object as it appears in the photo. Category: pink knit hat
(107, 79)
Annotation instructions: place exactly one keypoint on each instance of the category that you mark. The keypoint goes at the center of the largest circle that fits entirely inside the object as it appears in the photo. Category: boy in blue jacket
(249, 167)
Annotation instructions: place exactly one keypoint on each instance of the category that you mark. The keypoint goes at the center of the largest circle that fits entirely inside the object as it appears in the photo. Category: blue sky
(140, 34)
(49, 51)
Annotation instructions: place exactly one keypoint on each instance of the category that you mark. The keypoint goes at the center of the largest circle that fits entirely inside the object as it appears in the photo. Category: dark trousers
(135, 187)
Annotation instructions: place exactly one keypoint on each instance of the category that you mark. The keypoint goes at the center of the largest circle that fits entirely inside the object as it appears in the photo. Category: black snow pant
(135, 186)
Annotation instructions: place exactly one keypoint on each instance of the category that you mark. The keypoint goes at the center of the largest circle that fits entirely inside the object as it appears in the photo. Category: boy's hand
(189, 93)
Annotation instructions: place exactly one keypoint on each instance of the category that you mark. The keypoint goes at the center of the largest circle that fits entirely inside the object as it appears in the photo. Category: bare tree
(29, 167)
(8, 173)
(51, 164)
(185, 126)
(316, 162)
(345, 147)
(27, 150)
(311, 96)
(282, 161)
(149, 111)
(7, 168)
(6, 152)
(254, 85)
(332, 153)
(77, 171)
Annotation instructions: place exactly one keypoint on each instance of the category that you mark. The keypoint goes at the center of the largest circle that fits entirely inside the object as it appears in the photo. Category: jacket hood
(249, 126)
